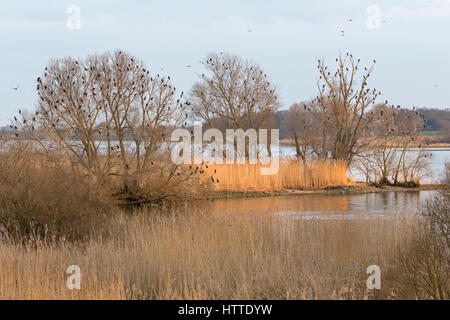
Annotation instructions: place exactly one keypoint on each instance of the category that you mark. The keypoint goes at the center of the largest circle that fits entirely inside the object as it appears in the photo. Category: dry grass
(38, 200)
(292, 174)
(210, 256)
(189, 252)
(424, 264)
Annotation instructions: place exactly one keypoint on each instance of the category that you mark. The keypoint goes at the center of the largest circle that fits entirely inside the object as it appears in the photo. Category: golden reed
(292, 174)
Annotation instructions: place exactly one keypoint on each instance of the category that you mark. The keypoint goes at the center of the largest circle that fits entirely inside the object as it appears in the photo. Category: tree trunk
(297, 146)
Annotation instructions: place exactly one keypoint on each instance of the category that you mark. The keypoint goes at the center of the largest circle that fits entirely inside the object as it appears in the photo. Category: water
(440, 156)
(436, 164)
(325, 205)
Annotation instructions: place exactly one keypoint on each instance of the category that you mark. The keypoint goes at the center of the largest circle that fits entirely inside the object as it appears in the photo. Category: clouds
(426, 9)
(286, 38)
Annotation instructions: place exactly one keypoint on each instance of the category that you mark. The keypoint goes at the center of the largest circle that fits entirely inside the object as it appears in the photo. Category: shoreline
(337, 190)
(436, 145)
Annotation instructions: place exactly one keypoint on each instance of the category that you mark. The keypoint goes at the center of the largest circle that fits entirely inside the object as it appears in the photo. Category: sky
(410, 40)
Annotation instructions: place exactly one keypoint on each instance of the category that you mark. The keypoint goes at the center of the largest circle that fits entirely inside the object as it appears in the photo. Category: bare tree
(301, 122)
(233, 94)
(424, 263)
(395, 149)
(366, 163)
(386, 138)
(107, 113)
(411, 163)
(343, 105)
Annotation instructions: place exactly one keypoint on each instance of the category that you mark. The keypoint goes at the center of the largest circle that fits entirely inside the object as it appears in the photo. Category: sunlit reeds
(292, 174)
(199, 255)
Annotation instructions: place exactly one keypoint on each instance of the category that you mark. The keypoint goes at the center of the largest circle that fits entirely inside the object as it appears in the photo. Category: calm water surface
(326, 205)
(437, 162)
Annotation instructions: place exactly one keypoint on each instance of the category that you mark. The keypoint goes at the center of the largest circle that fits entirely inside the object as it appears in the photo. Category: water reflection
(325, 205)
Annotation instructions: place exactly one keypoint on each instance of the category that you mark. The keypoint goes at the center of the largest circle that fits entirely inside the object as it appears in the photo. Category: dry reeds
(41, 201)
(198, 255)
(292, 174)
(192, 253)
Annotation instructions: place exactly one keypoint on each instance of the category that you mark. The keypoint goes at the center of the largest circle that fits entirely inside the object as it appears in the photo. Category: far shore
(427, 146)
(358, 188)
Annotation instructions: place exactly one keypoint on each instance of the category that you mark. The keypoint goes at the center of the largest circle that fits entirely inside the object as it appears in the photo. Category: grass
(197, 255)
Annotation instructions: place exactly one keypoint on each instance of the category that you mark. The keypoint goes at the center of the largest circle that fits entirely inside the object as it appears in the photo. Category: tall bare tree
(233, 94)
(344, 105)
(107, 113)
(396, 148)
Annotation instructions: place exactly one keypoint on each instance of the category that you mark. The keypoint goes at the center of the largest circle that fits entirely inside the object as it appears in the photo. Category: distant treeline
(435, 120)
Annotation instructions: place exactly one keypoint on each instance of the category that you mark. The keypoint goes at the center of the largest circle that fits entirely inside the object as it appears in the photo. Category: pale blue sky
(412, 47)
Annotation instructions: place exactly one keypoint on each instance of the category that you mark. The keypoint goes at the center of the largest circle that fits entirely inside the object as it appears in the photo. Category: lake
(325, 206)
(437, 162)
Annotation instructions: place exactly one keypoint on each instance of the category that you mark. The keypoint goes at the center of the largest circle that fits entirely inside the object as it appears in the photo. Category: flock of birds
(342, 33)
(201, 170)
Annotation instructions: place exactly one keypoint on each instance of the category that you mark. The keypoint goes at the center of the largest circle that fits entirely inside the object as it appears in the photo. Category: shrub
(425, 262)
(40, 201)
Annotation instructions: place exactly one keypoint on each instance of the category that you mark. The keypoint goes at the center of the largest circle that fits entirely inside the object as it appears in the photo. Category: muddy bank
(338, 190)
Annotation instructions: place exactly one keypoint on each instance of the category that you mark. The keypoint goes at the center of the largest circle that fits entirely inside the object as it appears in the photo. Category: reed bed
(198, 255)
(292, 174)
